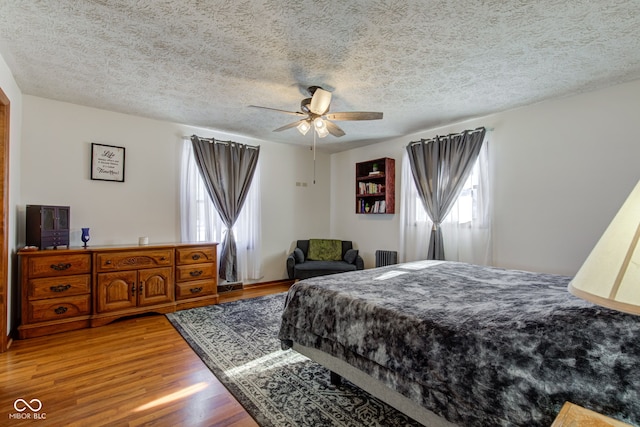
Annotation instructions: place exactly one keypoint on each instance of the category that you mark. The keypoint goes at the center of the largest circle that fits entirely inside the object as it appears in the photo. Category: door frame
(5, 107)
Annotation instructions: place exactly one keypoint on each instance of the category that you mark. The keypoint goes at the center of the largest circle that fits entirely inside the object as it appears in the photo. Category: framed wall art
(107, 162)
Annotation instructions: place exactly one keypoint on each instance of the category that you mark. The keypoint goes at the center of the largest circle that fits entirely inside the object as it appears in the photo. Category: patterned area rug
(239, 342)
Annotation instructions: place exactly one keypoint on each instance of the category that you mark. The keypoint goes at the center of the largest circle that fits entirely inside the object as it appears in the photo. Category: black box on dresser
(47, 226)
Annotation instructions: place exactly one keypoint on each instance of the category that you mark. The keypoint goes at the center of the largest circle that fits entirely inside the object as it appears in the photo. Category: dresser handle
(60, 288)
(195, 273)
(195, 257)
(108, 262)
(61, 266)
(195, 290)
(133, 289)
(163, 258)
(60, 310)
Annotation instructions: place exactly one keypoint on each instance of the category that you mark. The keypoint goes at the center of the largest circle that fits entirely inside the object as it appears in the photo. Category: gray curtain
(440, 167)
(227, 170)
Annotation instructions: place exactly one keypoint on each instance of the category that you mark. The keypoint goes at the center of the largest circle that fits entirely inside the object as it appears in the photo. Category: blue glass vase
(85, 236)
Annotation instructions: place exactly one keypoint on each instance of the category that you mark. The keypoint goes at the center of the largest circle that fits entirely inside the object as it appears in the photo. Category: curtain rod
(213, 140)
(476, 130)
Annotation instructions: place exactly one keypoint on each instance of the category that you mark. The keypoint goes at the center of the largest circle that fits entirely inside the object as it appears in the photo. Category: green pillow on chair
(325, 250)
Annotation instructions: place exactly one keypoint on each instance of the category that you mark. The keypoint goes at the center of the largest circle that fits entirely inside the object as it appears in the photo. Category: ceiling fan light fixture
(322, 132)
(320, 127)
(320, 101)
(315, 113)
(304, 127)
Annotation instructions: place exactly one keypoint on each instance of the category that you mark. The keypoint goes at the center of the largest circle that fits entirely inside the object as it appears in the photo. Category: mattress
(476, 345)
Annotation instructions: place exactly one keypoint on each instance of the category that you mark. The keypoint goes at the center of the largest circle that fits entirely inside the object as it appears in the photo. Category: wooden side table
(572, 415)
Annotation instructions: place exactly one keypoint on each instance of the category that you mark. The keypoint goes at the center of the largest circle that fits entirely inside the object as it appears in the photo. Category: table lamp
(610, 276)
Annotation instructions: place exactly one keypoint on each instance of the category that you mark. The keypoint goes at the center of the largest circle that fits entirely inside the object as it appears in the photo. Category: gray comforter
(479, 346)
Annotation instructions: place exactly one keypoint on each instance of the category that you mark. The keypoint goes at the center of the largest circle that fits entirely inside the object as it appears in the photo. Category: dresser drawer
(55, 238)
(196, 255)
(59, 308)
(195, 288)
(59, 265)
(195, 272)
(134, 260)
(56, 287)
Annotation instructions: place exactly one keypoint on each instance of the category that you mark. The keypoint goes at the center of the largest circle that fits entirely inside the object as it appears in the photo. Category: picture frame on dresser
(107, 162)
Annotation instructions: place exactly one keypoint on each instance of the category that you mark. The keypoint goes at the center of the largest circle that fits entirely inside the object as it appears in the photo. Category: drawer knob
(60, 310)
(195, 257)
(61, 266)
(195, 273)
(195, 290)
(108, 262)
(60, 288)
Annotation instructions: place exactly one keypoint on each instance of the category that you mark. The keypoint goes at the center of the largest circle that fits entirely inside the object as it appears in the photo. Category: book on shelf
(370, 188)
(379, 207)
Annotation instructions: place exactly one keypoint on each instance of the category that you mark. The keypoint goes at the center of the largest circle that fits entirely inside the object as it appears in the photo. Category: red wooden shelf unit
(375, 186)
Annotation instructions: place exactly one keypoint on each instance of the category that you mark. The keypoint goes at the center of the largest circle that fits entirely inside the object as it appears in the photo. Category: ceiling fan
(315, 113)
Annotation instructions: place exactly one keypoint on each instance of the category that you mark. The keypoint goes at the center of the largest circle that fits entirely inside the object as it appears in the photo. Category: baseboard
(270, 283)
(239, 286)
(230, 286)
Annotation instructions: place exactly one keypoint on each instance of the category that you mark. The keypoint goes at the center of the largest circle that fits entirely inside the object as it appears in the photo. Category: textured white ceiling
(422, 63)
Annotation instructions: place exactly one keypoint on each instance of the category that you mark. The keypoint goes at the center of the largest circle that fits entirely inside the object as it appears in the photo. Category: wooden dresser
(67, 289)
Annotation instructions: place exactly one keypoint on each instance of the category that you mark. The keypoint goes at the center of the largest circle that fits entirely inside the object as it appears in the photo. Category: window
(465, 210)
(467, 228)
(200, 221)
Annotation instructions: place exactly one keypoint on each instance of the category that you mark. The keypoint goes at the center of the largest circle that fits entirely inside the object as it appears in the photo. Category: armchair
(319, 257)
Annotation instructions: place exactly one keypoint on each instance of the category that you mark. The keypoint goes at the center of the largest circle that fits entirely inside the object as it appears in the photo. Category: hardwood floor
(132, 372)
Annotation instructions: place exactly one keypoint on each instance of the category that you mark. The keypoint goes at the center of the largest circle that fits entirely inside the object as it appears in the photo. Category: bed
(451, 343)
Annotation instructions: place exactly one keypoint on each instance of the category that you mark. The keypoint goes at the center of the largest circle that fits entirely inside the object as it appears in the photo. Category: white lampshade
(322, 132)
(321, 127)
(320, 101)
(611, 274)
(304, 127)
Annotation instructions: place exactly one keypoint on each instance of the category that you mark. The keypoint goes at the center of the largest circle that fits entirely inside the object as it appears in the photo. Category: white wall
(11, 89)
(560, 171)
(55, 169)
(289, 211)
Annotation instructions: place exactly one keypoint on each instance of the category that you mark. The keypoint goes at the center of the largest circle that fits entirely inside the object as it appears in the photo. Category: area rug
(239, 342)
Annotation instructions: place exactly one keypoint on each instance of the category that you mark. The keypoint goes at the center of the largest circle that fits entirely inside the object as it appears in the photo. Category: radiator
(386, 258)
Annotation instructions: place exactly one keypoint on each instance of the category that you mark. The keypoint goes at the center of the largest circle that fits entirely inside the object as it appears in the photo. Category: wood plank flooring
(133, 372)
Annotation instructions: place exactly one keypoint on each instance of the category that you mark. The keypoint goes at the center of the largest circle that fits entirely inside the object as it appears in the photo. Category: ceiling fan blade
(334, 129)
(289, 126)
(355, 115)
(295, 113)
(320, 101)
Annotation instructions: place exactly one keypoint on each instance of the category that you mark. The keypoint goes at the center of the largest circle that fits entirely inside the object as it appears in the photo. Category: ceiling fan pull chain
(314, 158)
